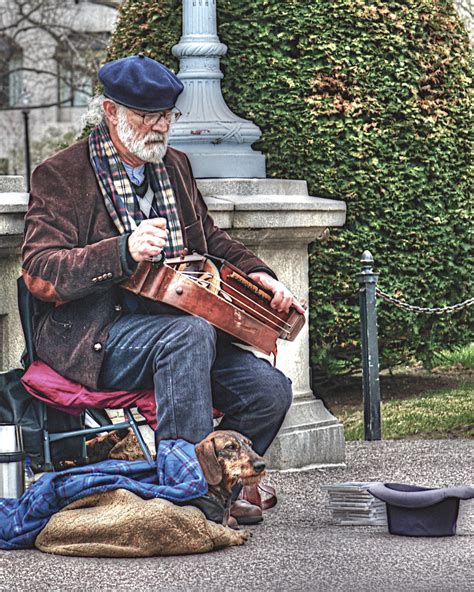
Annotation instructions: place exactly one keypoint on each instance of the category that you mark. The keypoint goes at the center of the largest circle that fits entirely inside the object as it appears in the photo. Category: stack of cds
(352, 505)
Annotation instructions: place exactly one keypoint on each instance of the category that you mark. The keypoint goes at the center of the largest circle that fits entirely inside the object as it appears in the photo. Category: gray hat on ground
(421, 511)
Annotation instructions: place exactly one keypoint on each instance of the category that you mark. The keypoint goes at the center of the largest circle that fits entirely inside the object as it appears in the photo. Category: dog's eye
(230, 447)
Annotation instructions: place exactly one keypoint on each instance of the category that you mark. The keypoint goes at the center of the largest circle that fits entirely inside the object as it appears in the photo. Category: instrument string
(279, 323)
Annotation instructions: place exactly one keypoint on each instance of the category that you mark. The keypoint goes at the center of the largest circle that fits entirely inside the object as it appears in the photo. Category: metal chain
(421, 309)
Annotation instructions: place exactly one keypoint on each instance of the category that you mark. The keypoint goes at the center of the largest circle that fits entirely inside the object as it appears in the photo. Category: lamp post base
(310, 436)
(223, 161)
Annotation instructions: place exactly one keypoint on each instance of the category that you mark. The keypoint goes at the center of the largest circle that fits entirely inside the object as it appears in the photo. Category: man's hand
(148, 239)
(282, 297)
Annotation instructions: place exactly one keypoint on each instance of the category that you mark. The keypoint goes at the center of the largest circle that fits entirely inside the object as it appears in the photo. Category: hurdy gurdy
(220, 293)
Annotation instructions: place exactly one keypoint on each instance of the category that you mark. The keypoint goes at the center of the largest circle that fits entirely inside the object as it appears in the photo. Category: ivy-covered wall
(369, 101)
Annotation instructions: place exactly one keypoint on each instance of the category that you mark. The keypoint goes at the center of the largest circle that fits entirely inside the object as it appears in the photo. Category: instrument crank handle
(158, 260)
(303, 303)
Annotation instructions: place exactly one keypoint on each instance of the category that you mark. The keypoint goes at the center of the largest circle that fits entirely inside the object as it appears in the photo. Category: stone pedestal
(277, 219)
(13, 203)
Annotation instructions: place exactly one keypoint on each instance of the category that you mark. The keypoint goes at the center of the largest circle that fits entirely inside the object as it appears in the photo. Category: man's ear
(207, 459)
(110, 110)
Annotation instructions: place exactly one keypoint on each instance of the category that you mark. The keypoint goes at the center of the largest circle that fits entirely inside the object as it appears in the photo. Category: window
(11, 75)
(78, 58)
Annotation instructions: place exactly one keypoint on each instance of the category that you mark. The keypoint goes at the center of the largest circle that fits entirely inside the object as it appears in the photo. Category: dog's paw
(242, 536)
(223, 536)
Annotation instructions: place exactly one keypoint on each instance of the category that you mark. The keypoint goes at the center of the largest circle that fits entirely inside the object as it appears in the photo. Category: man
(96, 210)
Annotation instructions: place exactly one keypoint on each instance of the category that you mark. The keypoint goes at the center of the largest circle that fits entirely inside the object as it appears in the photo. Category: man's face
(145, 142)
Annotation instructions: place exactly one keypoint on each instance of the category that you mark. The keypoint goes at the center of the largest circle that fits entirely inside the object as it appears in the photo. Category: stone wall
(12, 209)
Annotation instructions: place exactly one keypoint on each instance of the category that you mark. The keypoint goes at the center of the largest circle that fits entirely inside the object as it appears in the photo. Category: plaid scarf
(119, 194)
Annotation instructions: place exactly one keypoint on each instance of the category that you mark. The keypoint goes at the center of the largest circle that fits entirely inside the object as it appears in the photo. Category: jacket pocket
(60, 318)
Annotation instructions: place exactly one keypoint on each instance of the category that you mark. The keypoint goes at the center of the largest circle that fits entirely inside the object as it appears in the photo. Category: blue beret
(140, 83)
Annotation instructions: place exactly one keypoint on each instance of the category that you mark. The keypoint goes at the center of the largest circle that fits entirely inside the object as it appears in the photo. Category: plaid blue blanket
(177, 476)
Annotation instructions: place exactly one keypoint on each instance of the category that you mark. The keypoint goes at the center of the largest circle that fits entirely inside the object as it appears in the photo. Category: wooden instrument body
(236, 304)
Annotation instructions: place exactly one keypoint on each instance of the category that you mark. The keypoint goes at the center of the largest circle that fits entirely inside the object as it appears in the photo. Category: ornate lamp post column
(217, 141)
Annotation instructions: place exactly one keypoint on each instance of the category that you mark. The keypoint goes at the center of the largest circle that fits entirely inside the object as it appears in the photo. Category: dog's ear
(207, 459)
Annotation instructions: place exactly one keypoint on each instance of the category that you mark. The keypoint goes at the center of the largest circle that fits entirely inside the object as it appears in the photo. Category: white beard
(150, 148)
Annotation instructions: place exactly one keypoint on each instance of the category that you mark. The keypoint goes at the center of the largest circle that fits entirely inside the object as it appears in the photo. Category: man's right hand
(148, 239)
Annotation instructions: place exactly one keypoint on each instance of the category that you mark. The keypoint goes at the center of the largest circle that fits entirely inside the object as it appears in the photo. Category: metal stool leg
(83, 445)
(136, 431)
(48, 465)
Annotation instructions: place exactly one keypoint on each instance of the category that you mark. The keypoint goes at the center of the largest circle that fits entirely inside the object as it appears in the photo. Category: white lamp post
(217, 141)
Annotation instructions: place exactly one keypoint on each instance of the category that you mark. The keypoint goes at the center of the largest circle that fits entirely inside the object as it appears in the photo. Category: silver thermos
(12, 461)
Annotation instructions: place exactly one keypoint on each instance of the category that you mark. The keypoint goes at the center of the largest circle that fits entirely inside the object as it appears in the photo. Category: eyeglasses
(150, 119)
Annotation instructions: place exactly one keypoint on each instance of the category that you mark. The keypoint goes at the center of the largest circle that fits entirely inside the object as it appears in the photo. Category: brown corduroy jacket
(74, 258)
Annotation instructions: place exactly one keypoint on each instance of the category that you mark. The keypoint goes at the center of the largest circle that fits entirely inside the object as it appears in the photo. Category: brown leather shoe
(246, 513)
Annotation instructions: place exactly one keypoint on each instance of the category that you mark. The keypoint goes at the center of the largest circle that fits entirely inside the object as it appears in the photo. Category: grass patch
(463, 356)
(432, 415)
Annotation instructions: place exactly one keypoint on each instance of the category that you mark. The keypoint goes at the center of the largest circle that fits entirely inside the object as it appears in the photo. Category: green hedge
(368, 100)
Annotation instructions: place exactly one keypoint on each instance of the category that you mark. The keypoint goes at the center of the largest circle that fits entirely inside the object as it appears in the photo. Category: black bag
(18, 407)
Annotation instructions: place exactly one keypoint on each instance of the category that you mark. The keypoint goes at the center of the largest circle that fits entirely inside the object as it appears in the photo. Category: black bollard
(370, 349)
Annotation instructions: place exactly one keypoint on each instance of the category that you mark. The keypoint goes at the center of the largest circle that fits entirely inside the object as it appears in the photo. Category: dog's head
(227, 458)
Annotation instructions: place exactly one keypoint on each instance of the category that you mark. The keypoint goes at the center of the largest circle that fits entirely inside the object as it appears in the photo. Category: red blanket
(63, 394)
(44, 383)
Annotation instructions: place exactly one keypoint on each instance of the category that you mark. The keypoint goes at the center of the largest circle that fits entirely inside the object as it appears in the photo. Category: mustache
(154, 137)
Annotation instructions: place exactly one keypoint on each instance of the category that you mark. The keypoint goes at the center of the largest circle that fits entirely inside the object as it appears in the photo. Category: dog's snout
(258, 466)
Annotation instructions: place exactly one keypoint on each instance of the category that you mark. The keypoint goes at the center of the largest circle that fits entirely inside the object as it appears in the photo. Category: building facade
(50, 51)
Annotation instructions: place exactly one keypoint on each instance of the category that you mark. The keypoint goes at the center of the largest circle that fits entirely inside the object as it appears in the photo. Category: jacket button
(118, 308)
(97, 347)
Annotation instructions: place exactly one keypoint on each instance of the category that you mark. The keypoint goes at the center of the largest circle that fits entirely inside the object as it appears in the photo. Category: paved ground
(296, 548)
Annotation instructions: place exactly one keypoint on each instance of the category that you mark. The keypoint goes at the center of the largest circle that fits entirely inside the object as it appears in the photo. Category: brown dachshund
(227, 459)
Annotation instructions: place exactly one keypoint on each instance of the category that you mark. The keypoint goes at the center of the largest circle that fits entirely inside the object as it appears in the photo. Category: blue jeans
(192, 368)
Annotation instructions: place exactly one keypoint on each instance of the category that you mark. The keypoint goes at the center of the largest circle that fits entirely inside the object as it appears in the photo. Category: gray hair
(95, 112)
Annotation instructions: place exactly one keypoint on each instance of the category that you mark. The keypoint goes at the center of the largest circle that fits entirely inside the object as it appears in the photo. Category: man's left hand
(282, 297)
